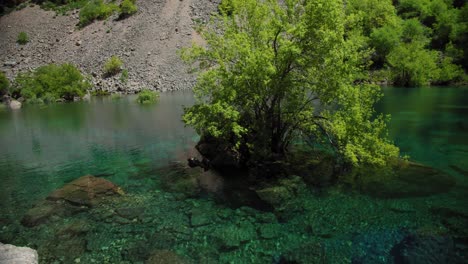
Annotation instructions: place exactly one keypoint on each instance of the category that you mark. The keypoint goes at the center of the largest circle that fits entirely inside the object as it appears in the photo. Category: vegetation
(124, 76)
(95, 10)
(51, 82)
(100, 93)
(418, 41)
(260, 83)
(22, 38)
(113, 66)
(147, 96)
(4, 84)
(127, 8)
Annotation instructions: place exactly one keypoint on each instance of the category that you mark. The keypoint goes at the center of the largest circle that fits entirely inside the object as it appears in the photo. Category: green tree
(51, 82)
(280, 70)
(413, 65)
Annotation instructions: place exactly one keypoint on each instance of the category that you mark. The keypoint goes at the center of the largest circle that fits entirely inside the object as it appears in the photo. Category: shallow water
(140, 148)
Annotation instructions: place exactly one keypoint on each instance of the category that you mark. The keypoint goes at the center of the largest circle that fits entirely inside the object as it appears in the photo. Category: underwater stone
(85, 190)
(428, 249)
(231, 236)
(10, 254)
(165, 257)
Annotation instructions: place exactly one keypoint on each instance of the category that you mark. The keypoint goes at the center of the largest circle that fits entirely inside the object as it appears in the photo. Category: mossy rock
(404, 179)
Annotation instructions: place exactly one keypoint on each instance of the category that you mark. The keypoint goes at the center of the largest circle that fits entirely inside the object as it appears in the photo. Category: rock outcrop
(10, 254)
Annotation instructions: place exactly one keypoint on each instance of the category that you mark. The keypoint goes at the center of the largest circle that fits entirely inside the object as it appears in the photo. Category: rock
(181, 179)
(199, 218)
(269, 231)
(42, 212)
(275, 195)
(231, 236)
(427, 249)
(282, 191)
(131, 212)
(9, 63)
(405, 179)
(10, 254)
(305, 253)
(86, 190)
(87, 97)
(165, 257)
(38, 214)
(78, 43)
(15, 104)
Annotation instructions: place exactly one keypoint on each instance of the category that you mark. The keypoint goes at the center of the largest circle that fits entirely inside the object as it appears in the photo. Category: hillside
(146, 42)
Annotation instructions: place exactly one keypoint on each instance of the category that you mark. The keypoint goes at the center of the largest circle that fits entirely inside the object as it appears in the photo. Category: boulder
(165, 257)
(428, 249)
(10, 254)
(404, 179)
(86, 190)
(15, 104)
(281, 191)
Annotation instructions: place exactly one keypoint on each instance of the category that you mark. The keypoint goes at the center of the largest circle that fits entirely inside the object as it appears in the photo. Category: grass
(112, 66)
(22, 38)
(96, 10)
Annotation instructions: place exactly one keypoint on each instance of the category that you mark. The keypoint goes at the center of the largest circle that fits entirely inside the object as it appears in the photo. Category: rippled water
(134, 146)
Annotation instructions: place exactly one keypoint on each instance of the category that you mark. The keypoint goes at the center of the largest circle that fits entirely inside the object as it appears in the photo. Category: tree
(280, 70)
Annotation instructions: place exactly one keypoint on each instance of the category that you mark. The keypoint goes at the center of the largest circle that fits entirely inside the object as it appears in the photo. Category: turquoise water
(174, 215)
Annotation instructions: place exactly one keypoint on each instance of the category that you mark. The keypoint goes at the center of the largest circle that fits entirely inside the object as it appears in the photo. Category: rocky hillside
(147, 43)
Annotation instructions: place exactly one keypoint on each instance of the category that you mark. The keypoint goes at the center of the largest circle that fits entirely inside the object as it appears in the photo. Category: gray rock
(15, 104)
(10, 254)
(9, 63)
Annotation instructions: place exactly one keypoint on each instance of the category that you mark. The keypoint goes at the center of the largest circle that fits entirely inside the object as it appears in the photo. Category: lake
(210, 219)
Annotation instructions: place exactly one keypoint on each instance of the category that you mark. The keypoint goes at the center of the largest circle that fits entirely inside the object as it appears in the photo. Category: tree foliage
(51, 82)
(280, 70)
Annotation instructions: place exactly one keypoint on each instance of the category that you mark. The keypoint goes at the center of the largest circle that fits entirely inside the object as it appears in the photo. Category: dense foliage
(22, 38)
(95, 9)
(4, 84)
(51, 82)
(127, 8)
(279, 71)
(147, 96)
(112, 66)
(418, 42)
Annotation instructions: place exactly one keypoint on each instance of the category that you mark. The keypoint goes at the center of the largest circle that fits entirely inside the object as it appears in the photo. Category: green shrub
(99, 93)
(147, 96)
(52, 81)
(127, 8)
(113, 66)
(95, 9)
(124, 76)
(226, 7)
(23, 38)
(4, 84)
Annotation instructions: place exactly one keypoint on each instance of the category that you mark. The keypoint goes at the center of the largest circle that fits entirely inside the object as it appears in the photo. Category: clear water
(44, 148)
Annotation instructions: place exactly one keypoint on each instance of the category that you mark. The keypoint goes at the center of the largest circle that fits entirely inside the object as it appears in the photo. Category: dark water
(135, 146)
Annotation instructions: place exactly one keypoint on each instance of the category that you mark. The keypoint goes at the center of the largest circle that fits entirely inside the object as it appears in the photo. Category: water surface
(134, 146)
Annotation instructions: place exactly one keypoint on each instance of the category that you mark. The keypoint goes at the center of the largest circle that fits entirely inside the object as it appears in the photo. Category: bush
(100, 93)
(147, 96)
(124, 76)
(52, 81)
(127, 8)
(23, 38)
(4, 84)
(113, 66)
(96, 9)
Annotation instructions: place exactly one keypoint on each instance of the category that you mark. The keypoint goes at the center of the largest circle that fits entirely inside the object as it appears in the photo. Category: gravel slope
(147, 42)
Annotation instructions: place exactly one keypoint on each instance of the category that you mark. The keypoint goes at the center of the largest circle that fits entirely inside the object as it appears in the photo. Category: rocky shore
(147, 43)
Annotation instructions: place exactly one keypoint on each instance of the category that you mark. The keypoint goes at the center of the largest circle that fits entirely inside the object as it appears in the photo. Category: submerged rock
(279, 193)
(10, 254)
(165, 257)
(73, 198)
(86, 190)
(406, 179)
(428, 249)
